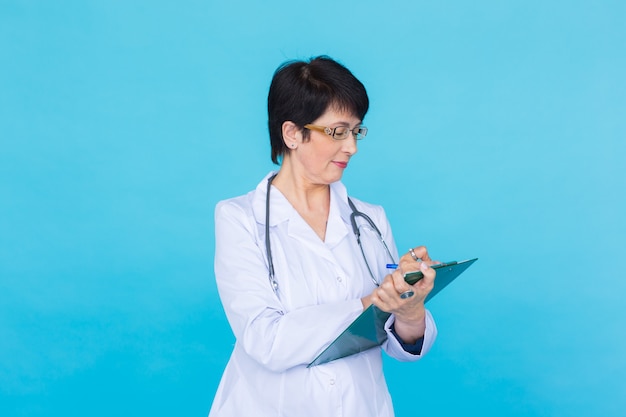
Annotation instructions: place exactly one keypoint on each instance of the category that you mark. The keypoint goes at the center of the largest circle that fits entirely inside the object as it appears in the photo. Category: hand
(409, 311)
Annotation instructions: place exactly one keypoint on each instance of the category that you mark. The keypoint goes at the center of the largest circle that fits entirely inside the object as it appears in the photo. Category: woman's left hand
(406, 301)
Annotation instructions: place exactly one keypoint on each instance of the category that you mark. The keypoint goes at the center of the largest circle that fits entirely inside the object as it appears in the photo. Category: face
(322, 159)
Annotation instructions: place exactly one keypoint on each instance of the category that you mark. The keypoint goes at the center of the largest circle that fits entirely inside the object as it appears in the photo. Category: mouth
(340, 164)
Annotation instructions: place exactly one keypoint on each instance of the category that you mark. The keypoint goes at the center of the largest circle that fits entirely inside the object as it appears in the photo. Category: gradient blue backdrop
(497, 130)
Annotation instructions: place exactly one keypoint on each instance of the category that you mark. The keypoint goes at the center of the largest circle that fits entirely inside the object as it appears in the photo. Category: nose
(349, 144)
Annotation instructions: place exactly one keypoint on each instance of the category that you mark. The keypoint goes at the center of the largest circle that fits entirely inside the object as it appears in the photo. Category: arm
(410, 320)
(275, 337)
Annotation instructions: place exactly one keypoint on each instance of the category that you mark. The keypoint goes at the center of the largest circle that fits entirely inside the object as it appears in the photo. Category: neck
(301, 191)
(309, 199)
(303, 195)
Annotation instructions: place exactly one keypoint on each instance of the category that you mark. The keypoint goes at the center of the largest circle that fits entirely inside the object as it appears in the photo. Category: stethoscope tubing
(355, 229)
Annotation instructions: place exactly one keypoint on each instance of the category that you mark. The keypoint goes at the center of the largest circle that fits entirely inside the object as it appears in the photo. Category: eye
(341, 132)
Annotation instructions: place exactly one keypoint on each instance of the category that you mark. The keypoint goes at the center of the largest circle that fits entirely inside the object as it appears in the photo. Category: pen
(434, 266)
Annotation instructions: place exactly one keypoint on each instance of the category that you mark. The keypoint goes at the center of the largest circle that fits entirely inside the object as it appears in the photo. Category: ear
(292, 135)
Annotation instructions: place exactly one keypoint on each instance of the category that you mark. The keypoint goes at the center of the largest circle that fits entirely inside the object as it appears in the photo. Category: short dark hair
(301, 91)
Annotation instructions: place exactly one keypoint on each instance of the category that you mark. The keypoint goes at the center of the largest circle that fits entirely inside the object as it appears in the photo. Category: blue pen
(392, 266)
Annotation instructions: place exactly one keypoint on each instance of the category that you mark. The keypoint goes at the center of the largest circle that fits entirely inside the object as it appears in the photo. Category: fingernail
(423, 267)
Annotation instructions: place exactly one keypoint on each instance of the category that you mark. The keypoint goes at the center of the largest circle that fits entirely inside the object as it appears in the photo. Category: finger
(399, 283)
(422, 253)
(390, 297)
(408, 264)
(429, 275)
(407, 294)
(383, 304)
(384, 297)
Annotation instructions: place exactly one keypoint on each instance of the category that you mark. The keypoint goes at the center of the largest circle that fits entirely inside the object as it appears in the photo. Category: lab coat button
(332, 381)
(339, 279)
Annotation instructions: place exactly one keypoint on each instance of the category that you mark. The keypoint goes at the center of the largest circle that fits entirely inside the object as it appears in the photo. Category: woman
(291, 274)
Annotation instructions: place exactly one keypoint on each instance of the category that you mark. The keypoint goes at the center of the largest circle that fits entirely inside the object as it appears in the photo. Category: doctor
(291, 274)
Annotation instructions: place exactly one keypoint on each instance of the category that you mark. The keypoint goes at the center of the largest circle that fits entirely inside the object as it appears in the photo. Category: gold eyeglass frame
(358, 132)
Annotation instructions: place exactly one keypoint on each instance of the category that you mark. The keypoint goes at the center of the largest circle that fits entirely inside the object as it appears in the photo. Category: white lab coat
(321, 284)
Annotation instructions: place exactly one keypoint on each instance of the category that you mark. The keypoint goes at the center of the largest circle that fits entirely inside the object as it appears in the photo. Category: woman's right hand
(406, 301)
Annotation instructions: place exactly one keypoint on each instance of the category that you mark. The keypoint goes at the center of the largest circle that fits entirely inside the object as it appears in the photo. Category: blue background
(497, 130)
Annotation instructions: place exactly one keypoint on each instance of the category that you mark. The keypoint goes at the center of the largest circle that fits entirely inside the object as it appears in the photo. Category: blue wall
(497, 130)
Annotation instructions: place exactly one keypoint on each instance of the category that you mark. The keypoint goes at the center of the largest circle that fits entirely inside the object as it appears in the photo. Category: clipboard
(368, 330)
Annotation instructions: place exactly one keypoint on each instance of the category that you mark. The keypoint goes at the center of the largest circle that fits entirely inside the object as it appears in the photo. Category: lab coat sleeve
(394, 349)
(276, 338)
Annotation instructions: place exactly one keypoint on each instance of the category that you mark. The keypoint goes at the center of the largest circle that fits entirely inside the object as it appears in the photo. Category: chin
(335, 178)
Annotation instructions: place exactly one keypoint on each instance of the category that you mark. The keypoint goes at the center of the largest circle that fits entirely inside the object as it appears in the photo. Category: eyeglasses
(340, 132)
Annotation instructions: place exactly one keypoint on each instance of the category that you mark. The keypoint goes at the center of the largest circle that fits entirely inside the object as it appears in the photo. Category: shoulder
(242, 202)
(246, 205)
(234, 211)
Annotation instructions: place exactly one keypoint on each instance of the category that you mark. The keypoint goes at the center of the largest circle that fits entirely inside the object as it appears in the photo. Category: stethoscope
(355, 229)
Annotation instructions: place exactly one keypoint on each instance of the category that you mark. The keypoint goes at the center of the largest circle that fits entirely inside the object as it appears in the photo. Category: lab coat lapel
(281, 210)
(338, 223)
(336, 228)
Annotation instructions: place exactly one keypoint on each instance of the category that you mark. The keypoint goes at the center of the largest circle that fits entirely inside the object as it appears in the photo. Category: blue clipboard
(367, 330)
